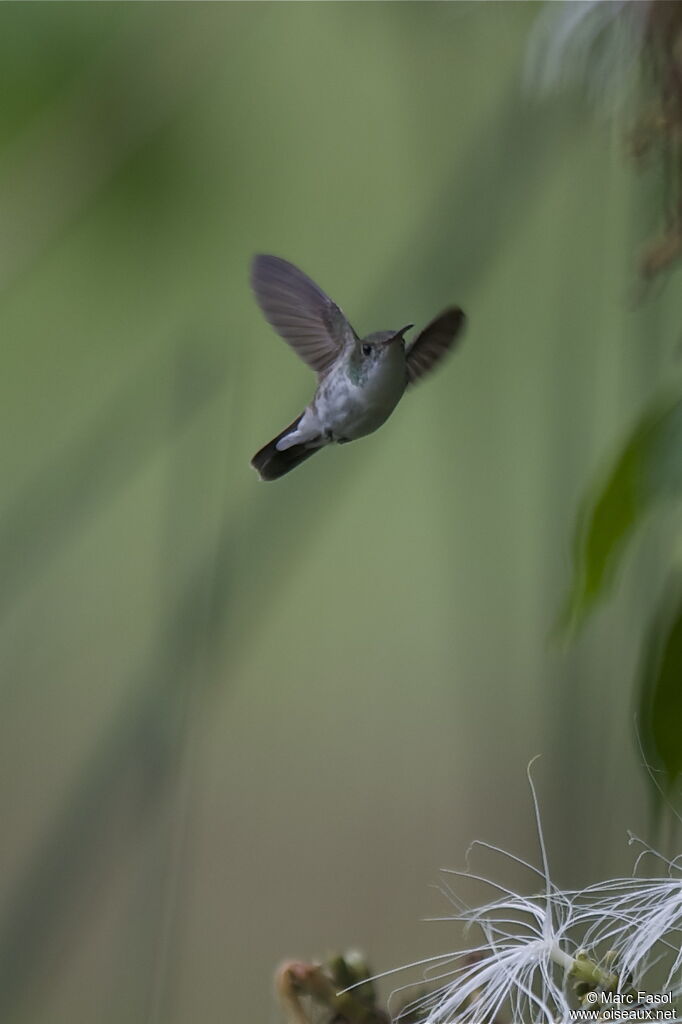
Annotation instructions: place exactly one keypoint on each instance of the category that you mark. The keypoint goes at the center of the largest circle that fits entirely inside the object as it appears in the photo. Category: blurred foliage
(640, 61)
(646, 472)
(660, 691)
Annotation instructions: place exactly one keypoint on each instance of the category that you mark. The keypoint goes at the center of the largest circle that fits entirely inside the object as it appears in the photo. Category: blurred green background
(242, 722)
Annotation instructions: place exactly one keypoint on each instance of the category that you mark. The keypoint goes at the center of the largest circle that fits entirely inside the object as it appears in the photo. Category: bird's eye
(366, 350)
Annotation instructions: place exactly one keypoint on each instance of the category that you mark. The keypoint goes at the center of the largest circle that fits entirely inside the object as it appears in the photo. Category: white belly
(347, 411)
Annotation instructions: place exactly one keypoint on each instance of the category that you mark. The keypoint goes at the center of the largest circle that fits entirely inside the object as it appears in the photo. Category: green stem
(585, 970)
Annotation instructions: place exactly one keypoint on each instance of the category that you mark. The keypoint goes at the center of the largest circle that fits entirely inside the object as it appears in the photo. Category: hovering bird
(359, 380)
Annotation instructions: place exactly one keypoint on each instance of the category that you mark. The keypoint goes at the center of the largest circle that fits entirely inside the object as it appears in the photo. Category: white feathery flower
(539, 956)
(626, 55)
(521, 967)
(640, 920)
(596, 43)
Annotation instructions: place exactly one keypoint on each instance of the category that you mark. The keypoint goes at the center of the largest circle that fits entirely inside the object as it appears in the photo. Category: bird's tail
(272, 463)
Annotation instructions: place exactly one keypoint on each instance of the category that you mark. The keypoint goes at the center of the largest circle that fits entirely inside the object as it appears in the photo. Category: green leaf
(647, 471)
(660, 701)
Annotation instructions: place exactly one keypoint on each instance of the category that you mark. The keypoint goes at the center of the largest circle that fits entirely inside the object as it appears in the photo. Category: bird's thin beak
(398, 336)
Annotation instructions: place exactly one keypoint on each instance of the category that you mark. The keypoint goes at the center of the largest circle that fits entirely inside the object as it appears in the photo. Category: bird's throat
(358, 373)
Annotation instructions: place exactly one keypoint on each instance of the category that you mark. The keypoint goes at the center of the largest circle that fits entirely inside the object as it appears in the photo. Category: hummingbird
(359, 380)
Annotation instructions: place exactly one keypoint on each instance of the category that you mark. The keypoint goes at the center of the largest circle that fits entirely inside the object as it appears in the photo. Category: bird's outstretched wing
(433, 343)
(299, 311)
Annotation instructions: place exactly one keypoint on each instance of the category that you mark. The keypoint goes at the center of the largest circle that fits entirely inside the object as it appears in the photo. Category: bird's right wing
(433, 343)
(299, 311)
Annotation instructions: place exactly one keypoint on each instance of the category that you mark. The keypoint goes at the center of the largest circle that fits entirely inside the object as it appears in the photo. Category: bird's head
(377, 347)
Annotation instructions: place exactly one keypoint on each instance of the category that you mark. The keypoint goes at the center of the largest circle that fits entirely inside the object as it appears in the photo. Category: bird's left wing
(299, 311)
(433, 343)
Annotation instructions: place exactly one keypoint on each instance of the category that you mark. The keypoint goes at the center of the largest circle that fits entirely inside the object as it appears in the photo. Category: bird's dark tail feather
(272, 464)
